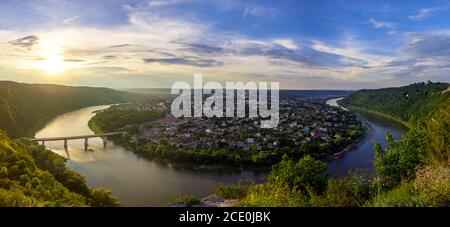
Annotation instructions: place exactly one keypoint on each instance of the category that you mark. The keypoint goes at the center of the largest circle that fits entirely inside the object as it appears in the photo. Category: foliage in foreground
(413, 171)
(26, 107)
(30, 175)
(431, 187)
(185, 200)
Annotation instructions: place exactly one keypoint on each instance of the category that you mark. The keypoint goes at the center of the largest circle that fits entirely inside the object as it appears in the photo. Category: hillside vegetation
(24, 108)
(424, 107)
(410, 104)
(33, 176)
(30, 175)
(413, 171)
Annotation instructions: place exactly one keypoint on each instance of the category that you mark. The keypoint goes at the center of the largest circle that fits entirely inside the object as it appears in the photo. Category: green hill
(33, 176)
(30, 175)
(410, 104)
(24, 108)
(410, 172)
(423, 106)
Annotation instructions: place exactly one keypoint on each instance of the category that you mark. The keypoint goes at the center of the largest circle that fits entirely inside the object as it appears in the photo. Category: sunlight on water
(134, 180)
(362, 157)
(73, 124)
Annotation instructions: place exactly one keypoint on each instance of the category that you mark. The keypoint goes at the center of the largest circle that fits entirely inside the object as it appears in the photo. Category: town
(305, 127)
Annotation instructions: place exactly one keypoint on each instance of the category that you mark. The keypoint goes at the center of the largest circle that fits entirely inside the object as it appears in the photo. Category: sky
(317, 44)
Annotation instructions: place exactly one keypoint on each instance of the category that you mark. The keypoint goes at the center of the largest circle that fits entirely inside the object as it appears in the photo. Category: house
(305, 129)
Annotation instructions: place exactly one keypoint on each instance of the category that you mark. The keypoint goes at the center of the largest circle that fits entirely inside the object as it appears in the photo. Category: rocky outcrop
(211, 201)
(216, 201)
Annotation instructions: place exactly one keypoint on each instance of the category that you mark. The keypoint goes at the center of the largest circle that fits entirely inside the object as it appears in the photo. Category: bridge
(104, 136)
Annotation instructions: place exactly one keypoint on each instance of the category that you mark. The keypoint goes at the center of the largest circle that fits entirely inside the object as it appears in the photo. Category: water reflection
(362, 158)
(134, 180)
(139, 182)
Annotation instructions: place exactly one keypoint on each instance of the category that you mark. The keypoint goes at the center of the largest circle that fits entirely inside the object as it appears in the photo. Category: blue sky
(320, 44)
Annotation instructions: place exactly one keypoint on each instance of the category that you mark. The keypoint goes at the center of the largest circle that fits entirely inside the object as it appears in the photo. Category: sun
(53, 65)
(52, 59)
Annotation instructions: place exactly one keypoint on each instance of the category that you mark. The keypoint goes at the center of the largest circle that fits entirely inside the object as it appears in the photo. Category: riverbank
(324, 147)
(356, 109)
(132, 146)
(136, 181)
(155, 156)
(368, 133)
(94, 127)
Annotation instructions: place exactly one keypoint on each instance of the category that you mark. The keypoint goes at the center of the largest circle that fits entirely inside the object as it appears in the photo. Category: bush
(351, 191)
(101, 197)
(185, 200)
(431, 188)
(232, 191)
(307, 173)
(433, 182)
(27, 180)
(403, 196)
(401, 158)
(15, 198)
(273, 195)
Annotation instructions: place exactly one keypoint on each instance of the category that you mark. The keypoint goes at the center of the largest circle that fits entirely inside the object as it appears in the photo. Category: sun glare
(53, 65)
(53, 62)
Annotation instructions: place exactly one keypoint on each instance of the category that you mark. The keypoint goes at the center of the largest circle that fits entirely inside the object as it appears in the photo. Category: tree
(304, 175)
(101, 197)
(401, 158)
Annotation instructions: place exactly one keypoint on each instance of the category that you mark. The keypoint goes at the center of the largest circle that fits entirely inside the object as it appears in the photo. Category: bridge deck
(76, 137)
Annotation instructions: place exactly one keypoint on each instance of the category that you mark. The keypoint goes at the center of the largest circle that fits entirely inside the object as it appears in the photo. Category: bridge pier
(86, 144)
(105, 141)
(104, 137)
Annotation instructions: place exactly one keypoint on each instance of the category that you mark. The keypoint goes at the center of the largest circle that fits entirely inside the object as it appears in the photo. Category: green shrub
(400, 159)
(433, 182)
(185, 200)
(101, 197)
(403, 196)
(273, 195)
(233, 191)
(307, 173)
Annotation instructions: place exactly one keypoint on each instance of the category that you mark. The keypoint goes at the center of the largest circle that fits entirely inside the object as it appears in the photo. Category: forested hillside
(33, 176)
(30, 175)
(413, 171)
(410, 103)
(423, 106)
(26, 107)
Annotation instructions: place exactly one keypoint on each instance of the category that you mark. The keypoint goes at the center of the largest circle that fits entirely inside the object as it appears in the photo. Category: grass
(94, 127)
(186, 200)
(408, 125)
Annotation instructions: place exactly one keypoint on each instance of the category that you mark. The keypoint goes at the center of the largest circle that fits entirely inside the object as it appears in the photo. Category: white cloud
(70, 20)
(423, 13)
(286, 43)
(176, 47)
(382, 24)
(157, 3)
(259, 11)
(351, 52)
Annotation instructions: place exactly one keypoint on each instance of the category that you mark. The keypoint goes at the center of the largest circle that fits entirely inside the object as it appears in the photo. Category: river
(135, 181)
(362, 157)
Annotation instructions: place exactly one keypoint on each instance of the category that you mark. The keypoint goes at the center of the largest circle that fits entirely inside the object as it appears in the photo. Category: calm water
(139, 182)
(134, 180)
(362, 157)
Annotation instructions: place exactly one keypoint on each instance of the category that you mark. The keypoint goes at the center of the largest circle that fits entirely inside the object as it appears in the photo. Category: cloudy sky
(317, 44)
